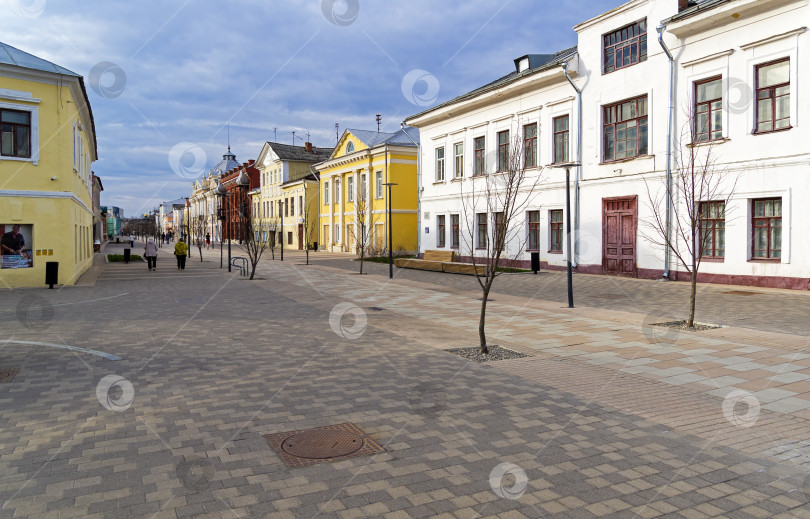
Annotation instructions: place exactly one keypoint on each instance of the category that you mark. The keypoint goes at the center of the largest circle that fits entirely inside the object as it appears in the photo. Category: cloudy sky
(166, 78)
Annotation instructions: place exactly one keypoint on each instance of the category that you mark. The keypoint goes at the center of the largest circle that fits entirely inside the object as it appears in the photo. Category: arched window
(350, 147)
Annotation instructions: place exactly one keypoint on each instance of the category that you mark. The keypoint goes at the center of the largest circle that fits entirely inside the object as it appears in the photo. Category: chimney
(682, 4)
(250, 162)
(308, 146)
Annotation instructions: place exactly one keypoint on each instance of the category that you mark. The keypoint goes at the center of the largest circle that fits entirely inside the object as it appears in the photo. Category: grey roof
(696, 7)
(537, 63)
(371, 138)
(227, 163)
(312, 176)
(13, 56)
(299, 153)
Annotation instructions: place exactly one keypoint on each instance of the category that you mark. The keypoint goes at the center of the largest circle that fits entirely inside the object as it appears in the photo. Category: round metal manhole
(322, 444)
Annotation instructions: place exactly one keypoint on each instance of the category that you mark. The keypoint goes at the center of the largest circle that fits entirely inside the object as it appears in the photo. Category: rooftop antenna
(274, 134)
(308, 136)
(229, 138)
(293, 138)
(337, 137)
(379, 118)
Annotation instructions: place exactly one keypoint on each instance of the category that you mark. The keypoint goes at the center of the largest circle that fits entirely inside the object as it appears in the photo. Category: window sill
(457, 179)
(754, 132)
(438, 182)
(712, 260)
(708, 143)
(555, 252)
(628, 159)
(765, 260)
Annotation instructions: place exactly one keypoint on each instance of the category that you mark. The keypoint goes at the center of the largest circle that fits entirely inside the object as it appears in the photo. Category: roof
(371, 138)
(227, 163)
(537, 63)
(13, 56)
(299, 153)
(312, 177)
(696, 7)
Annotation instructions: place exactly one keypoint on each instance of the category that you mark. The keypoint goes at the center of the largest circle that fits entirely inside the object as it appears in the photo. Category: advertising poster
(16, 244)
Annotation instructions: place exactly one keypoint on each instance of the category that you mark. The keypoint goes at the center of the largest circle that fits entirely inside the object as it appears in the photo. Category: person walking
(207, 240)
(150, 251)
(131, 241)
(180, 251)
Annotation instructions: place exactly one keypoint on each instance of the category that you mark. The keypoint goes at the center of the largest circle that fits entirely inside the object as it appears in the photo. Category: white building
(735, 60)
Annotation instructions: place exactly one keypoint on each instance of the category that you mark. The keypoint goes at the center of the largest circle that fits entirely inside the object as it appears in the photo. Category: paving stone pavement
(211, 362)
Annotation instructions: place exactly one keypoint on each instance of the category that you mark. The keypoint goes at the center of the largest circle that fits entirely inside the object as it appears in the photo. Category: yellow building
(286, 188)
(355, 176)
(47, 147)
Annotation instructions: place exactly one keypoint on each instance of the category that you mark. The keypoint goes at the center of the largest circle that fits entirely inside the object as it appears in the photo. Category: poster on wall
(15, 246)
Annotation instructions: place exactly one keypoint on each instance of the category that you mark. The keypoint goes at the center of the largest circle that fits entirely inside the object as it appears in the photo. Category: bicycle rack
(242, 265)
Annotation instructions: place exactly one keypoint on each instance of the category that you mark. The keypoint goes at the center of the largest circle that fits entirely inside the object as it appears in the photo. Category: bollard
(535, 262)
(127, 252)
(51, 273)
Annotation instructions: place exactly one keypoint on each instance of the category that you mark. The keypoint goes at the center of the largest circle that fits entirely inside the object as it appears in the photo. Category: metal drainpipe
(575, 259)
(668, 250)
(418, 187)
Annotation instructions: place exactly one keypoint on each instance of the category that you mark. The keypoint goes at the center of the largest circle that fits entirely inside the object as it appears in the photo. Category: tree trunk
(307, 251)
(362, 257)
(692, 295)
(482, 337)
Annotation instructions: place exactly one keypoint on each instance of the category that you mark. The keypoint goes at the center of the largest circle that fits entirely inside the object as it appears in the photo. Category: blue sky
(167, 77)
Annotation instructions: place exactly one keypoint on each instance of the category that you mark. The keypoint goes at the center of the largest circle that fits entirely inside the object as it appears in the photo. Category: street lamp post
(281, 234)
(567, 166)
(390, 234)
(223, 192)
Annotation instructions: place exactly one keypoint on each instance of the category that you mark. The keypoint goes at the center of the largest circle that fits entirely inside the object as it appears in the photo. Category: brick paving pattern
(608, 417)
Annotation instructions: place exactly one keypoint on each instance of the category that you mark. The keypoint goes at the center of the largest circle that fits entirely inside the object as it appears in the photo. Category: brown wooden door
(619, 222)
(300, 236)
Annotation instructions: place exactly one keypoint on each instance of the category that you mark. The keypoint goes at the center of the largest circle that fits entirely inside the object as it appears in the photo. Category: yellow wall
(60, 210)
(403, 196)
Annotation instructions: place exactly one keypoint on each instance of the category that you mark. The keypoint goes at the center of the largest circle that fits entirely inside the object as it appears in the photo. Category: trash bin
(127, 252)
(535, 262)
(51, 273)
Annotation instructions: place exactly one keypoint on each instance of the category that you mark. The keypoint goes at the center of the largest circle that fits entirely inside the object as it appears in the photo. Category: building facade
(353, 180)
(736, 74)
(203, 200)
(47, 147)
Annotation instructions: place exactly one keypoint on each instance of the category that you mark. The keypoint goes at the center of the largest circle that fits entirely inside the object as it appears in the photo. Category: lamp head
(220, 190)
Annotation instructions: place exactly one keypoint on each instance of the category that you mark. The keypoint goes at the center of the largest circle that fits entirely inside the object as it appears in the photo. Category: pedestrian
(207, 240)
(131, 241)
(180, 251)
(163, 237)
(150, 251)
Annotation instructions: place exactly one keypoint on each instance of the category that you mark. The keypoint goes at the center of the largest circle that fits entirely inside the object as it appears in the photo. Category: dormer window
(523, 64)
(625, 47)
(350, 147)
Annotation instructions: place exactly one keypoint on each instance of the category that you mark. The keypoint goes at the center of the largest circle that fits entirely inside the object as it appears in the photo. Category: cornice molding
(773, 38)
(710, 57)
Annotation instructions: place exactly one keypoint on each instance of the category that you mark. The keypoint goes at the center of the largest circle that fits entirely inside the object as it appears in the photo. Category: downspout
(418, 187)
(575, 259)
(668, 250)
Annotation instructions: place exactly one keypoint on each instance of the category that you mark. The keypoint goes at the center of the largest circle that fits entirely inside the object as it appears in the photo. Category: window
(713, 229)
(709, 110)
(555, 218)
(482, 230)
(534, 230)
(337, 232)
(454, 236)
(773, 96)
(350, 189)
(15, 133)
(378, 184)
(503, 150)
(625, 47)
(458, 153)
(336, 187)
(440, 164)
(625, 129)
(286, 207)
(363, 186)
(440, 230)
(301, 205)
(561, 139)
(480, 165)
(289, 237)
(292, 206)
(500, 229)
(767, 228)
(350, 147)
(530, 145)
(326, 192)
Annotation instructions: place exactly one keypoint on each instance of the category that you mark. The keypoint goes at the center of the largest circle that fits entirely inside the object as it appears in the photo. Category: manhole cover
(7, 375)
(330, 443)
(322, 444)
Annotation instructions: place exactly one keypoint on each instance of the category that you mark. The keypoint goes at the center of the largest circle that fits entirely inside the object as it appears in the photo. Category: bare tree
(700, 192)
(309, 226)
(364, 221)
(197, 237)
(498, 199)
(256, 240)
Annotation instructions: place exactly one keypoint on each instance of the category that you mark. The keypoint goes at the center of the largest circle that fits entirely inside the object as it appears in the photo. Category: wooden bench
(440, 255)
(439, 261)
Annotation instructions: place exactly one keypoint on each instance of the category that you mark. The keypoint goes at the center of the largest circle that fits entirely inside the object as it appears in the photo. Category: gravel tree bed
(495, 353)
(681, 325)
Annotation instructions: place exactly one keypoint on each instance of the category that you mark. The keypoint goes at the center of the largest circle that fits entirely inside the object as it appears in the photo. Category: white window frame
(34, 111)
(439, 155)
(458, 160)
(350, 188)
(378, 184)
(326, 193)
(336, 187)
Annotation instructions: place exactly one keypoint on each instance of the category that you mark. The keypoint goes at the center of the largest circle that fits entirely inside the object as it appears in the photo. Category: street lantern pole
(390, 234)
(281, 214)
(567, 166)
